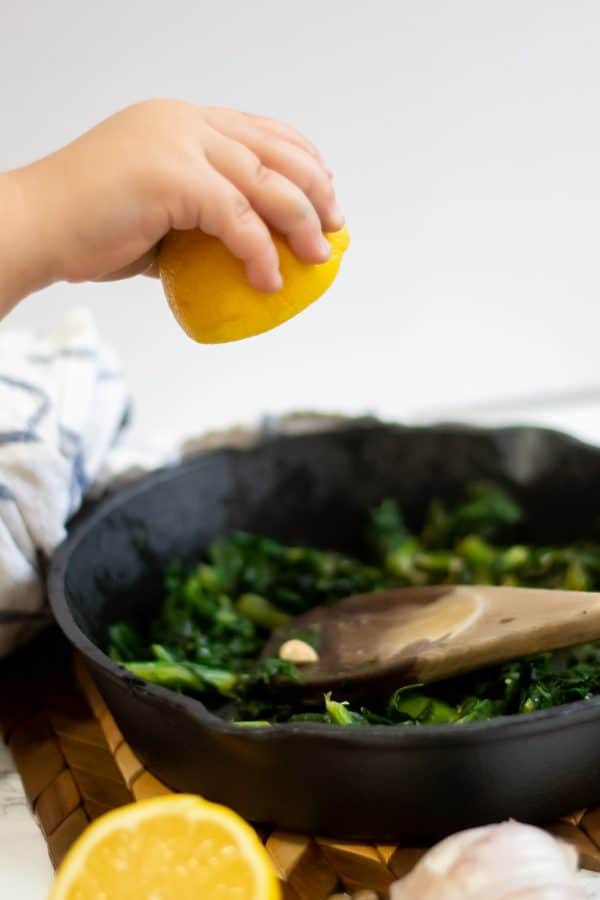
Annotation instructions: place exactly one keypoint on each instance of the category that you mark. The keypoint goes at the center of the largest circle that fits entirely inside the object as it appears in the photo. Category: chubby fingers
(271, 127)
(252, 174)
(279, 202)
(281, 148)
(237, 124)
(220, 209)
(307, 174)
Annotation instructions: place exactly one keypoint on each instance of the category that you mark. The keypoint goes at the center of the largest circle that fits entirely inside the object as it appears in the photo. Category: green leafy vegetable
(261, 611)
(340, 713)
(208, 637)
(411, 704)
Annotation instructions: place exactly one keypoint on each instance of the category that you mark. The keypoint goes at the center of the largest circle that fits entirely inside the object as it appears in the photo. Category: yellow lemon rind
(240, 311)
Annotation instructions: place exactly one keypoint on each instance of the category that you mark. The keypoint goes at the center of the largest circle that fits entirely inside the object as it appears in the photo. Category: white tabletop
(25, 870)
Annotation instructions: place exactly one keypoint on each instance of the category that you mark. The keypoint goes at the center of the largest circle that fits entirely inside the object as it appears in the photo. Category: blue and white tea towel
(63, 402)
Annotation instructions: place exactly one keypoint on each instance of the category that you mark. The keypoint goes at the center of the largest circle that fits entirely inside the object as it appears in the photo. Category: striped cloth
(63, 403)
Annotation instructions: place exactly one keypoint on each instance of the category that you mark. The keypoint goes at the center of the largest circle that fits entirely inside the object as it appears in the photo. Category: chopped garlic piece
(298, 652)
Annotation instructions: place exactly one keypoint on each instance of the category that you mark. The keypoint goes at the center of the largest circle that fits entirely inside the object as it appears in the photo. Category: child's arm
(97, 208)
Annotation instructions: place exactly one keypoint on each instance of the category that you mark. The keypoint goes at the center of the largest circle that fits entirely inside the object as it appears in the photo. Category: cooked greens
(216, 617)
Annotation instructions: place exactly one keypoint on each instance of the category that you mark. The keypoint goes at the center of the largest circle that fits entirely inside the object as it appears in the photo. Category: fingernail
(325, 248)
(277, 282)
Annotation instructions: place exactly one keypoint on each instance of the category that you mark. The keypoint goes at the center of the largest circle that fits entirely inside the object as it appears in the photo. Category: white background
(465, 137)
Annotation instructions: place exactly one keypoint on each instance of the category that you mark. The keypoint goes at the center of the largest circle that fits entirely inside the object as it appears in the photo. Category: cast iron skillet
(377, 783)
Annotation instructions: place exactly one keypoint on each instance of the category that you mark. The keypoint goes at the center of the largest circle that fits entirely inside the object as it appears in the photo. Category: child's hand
(97, 208)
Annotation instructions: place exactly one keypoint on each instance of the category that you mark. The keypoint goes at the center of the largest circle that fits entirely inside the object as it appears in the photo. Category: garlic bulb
(509, 861)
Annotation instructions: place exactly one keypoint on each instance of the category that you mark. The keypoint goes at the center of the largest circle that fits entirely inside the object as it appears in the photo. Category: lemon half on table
(178, 847)
(210, 296)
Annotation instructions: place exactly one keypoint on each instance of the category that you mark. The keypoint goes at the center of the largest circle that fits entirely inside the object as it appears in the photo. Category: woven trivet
(75, 765)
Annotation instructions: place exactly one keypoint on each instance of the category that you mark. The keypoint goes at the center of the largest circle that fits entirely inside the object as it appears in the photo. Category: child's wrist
(27, 262)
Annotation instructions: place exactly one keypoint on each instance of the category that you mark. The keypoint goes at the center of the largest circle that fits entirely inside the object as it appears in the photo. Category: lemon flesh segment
(178, 847)
(209, 294)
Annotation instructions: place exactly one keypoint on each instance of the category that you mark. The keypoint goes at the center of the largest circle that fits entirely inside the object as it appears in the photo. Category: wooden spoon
(420, 635)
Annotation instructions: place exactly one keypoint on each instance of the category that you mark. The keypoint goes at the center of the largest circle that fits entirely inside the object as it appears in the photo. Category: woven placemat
(75, 765)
